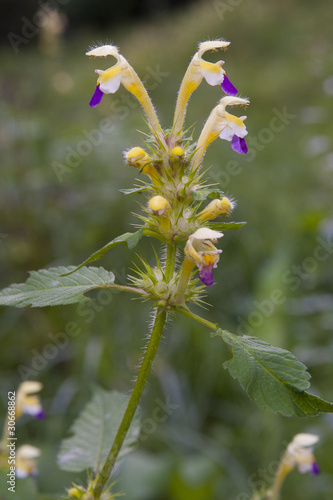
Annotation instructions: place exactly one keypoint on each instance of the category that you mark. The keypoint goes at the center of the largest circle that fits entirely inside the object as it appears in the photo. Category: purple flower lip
(315, 470)
(206, 275)
(97, 97)
(40, 415)
(239, 145)
(227, 87)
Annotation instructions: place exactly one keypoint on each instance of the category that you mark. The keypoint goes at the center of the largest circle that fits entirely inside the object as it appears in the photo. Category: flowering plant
(176, 188)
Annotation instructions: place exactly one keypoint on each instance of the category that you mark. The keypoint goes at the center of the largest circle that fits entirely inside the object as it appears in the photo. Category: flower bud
(160, 207)
(76, 492)
(216, 208)
(178, 151)
(138, 158)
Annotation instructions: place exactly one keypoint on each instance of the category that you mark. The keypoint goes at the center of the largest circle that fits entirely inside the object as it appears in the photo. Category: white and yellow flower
(213, 73)
(235, 131)
(26, 463)
(27, 401)
(200, 251)
(223, 124)
(198, 70)
(109, 80)
(299, 454)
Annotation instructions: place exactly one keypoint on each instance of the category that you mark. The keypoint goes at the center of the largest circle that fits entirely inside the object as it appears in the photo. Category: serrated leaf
(53, 287)
(131, 240)
(271, 376)
(225, 226)
(203, 194)
(134, 190)
(94, 432)
(308, 405)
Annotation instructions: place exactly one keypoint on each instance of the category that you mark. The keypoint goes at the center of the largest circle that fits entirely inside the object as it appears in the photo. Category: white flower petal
(304, 440)
(240, 131)
(103, 51)
(30, 387)
(204, 233)
(212, 45)
(28, 451)
(213, 78)
(111, 85)
(233, 101)
(227, 133)
(304, 467)
(21, 473)
(32, 409)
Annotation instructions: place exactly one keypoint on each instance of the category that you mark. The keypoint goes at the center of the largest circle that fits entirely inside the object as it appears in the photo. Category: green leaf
(131, 240)
(94, 432)
(225, 226)
(308, 405)
(203, 194)
(135, 190)
(271, 376)
(52, 287)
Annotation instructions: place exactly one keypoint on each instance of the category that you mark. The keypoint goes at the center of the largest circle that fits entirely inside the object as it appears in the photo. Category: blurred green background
(214, 442)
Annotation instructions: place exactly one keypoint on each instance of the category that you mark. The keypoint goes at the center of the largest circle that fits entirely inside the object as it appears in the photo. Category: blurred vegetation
(215, 443)
(85, 13)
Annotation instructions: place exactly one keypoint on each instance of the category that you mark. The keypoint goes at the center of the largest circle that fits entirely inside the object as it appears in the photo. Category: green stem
(139, 386)
(184, 277)
(282, 472)
(153, 234)
(203, 321)
(124, 288)
(170, 261)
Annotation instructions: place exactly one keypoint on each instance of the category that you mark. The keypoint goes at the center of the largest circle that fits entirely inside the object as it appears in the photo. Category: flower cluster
(174, 185)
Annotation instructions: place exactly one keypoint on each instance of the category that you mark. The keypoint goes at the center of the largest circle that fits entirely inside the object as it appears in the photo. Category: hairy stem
(199, 319)
(134, 400)
(282, 472)
(125, 288)
(170, 261)
(185, 275)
